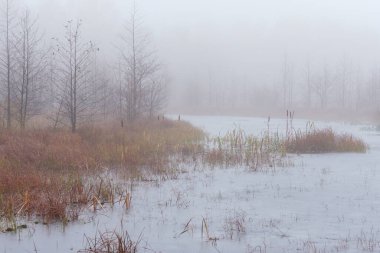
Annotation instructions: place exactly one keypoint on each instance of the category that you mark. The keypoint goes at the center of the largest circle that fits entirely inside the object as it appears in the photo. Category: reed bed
(239, 148)
(317, 141)
(269, 149)
(144, 143)
(52, 175)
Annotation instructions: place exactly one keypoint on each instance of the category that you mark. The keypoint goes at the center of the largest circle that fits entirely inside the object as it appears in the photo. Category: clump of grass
(111, 242)
(205, 232)
(235, 224)
(239, 148)
(323, 141)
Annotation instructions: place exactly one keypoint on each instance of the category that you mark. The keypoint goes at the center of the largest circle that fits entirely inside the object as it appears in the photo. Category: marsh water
(314, 203)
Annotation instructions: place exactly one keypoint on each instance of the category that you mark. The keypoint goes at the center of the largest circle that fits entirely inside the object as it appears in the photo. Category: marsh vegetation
(54, 175)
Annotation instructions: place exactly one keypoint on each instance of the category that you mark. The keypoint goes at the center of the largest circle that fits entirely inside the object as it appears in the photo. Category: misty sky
(232, 40)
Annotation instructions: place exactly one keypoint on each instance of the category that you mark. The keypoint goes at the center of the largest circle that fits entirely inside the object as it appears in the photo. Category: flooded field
(314, 203)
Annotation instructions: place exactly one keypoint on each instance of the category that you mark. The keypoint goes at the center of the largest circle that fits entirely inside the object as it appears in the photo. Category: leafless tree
(75, 93)
(308, 84)
(31, 63)
(139, 67)
(344, 79)
(54, 100)
(156, 97)
(322, 85)
(103, 104)
(6, 59)
(287, 83)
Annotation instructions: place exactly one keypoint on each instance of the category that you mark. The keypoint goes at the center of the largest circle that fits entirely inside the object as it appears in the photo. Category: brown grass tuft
(323, 141)
(111, 242)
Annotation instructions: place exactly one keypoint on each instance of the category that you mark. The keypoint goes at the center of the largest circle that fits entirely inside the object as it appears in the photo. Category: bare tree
(287, 83)
(156, 97)
(322, 85)
(285, 73)
(139, 67)
(31, 63)
(344, 79)
(102, 105)
(7, 57)
(308, 84)
(75, 94)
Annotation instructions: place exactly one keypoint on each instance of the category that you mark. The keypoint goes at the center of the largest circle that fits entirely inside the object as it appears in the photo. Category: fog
(242, 56)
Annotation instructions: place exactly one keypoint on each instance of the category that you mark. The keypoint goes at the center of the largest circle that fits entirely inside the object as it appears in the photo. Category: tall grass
(111, 242)
(238, 148)
(323, 141)
(52, 175)
(145, 144)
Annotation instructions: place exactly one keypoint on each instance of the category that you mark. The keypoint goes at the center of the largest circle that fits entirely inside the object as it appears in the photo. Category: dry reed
(51, 175)
(323, 141)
